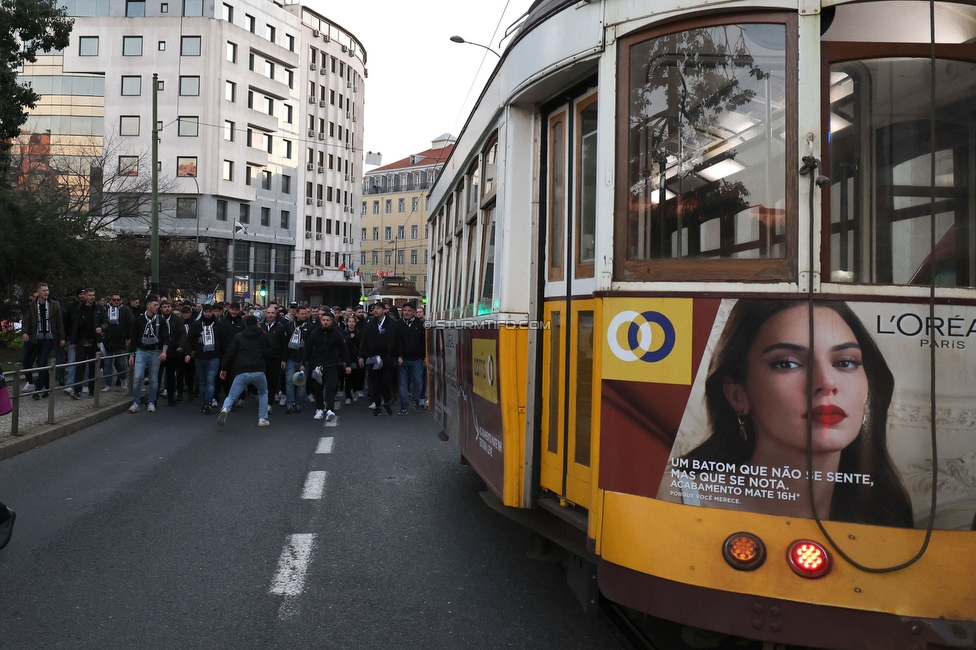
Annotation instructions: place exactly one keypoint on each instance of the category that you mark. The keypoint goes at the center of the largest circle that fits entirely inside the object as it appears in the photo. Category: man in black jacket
(298, 332)
(248, 354)
(204, 349)
(117, 334)
(87, 325)
(377, 353)
(278, 336)
(229, 325)
(147, 350)
(325, 353)
(412, 362)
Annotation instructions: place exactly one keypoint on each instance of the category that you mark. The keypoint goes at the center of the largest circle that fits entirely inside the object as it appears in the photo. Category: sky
(421, 84)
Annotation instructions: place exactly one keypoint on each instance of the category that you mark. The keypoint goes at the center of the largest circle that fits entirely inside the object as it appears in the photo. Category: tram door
(569, 342)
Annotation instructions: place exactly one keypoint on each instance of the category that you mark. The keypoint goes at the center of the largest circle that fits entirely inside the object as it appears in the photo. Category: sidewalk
(70, 415)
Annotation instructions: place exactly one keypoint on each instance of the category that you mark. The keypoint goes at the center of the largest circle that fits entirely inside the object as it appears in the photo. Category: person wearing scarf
(147, 351)
(203, 346)
(43, 329)
(87, 326)
(116, 334)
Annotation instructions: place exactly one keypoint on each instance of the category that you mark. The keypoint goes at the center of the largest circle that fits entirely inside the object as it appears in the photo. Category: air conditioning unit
(347, 177)
(319, 203)
(315, 33)
(323, 71)
(311, 99)
(312, 66)
(321, 136)
(308, 200)
(326, 37)
(321, 169)
(309, 166)
(318, 235)
(344, 49)
(308, 235)
(321, 271)
(311, 133)
(348, 84)
(354, 119)
(322, 103)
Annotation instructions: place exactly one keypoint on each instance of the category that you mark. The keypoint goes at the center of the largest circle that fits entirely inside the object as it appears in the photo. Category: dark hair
(411, 304)
(152, 298)
(886, 502)
(250, 320)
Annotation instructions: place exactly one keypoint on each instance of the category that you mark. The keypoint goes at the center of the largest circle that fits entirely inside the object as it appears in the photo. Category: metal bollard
(15, 415)
(51, 385)
(99, 377)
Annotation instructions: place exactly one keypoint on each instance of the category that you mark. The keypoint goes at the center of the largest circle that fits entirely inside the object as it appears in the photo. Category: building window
(228, 173)
(413, 231)
(135, 8)
(250, 22)
(221, 210)
(388, 233)
(318, 224)
(228, 131)
(290, 78)
(189, 86)
(186, 166)
(269, 105)
(186, 207)
(269, 32)
(376, 207)
(188, 126)
(376, 233)
(364, 234)
(400, 257)
(88, 46)
(387, 257)
(245, 213)
(128, 165)
(388, 206)
(426, 232)
(285, 220)
(291, 42)
(362, 257)
(287, 149)
(131, 86)
(250, 99)
(269, 143)
(401, 205)
(328, 227)
(248, 173)
(266, 216)
(228, 13)
(190, 46)
(192, 7)
(132, 46)
(289, 114)
(129, 125)
(161, 46)
(230, 91)
(249, 138)
(374, 257)
(265, 180)
(164, 7)
(400, 232)
(269, 69)
(286, 184)
(414, 205)
(232, 52)
(413, 255)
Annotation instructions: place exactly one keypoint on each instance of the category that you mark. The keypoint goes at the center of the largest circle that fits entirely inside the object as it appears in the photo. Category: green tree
(26, 28)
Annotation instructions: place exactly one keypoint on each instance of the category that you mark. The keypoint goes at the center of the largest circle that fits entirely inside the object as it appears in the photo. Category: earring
(742, 427)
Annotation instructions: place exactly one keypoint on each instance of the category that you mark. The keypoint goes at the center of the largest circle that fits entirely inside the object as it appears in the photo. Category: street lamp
(459, 39)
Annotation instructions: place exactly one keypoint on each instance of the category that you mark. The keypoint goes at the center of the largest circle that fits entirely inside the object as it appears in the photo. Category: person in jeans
(87, 325)
(412, 362)
(43, 329)
(116, 334)
(248, 355)
(203, 347)
(298, 331)
(147, 351)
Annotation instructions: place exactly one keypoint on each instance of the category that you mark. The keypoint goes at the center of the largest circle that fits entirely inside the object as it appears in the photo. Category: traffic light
(263, 290)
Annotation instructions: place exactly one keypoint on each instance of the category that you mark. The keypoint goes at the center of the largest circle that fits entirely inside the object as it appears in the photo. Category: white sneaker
(360, 393)
(240, 403)
(125, 384)
(372, 405)
(355, 396)
(106, 388)
(269, 410)
(134, 408)
(283, 401)
(28, 388)
(70, 392)
(214, 403)
(319, 414)
(152, 407)
(164, 393)
(348, 401)
(329, 416)
(84, 391)
(222, 418)
(310, 398)
(263, 423)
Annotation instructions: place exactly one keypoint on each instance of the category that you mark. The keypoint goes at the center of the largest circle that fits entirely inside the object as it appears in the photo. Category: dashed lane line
(314, 485)
(325, 445)
(289, 579)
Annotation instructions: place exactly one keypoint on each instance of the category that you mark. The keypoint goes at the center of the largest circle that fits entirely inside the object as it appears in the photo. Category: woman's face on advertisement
(774, 393)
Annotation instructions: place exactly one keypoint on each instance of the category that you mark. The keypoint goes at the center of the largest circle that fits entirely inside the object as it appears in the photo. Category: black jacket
(229, 328)
(278, 336)
(195, 340)
(176, 331)
(382, 342)
(140, 329)
(84, 322)
(412, 339)
(248, 352)
(304, 330)
(352, 339)
(325, 347)
(117, 335)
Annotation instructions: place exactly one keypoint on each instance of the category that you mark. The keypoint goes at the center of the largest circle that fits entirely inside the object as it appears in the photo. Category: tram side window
(586, 187)
(557, 190)
(704, 156)
(488, 265)
(882, 199)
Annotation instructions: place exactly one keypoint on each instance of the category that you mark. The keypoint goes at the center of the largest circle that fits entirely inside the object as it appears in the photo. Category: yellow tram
(703, 305)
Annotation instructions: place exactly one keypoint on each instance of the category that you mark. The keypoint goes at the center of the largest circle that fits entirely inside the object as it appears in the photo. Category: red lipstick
(828, 415)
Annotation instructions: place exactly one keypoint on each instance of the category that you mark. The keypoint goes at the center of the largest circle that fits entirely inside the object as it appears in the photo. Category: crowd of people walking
(221, 353)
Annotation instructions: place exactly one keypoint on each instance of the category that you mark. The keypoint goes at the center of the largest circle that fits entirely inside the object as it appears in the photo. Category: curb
(21, 444)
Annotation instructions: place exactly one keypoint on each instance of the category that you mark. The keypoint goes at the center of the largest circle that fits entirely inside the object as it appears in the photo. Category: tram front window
(882, 197)
(706, 133)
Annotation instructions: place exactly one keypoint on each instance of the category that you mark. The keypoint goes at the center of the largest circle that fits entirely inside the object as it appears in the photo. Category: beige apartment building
(394, 235)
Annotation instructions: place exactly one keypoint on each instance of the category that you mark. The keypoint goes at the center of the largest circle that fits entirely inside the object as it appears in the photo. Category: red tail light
(808, 559)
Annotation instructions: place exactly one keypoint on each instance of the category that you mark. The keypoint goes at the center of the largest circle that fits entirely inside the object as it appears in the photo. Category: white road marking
(314, 485)
(289, 579)
(325, 446)
(334, 422)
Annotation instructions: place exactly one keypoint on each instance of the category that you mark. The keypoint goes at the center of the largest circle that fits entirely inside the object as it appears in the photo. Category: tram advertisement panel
(730, 429)
(479, 414)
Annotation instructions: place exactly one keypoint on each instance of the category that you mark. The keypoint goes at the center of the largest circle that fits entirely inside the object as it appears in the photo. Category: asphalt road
(166, 531)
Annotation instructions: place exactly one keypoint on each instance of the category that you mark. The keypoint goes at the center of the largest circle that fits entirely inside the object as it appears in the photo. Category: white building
(260, 115)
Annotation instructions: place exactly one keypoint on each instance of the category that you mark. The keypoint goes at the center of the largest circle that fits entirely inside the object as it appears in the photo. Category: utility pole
(154, 245)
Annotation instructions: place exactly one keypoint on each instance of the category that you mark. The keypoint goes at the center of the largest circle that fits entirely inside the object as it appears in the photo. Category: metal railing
(54, 388)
